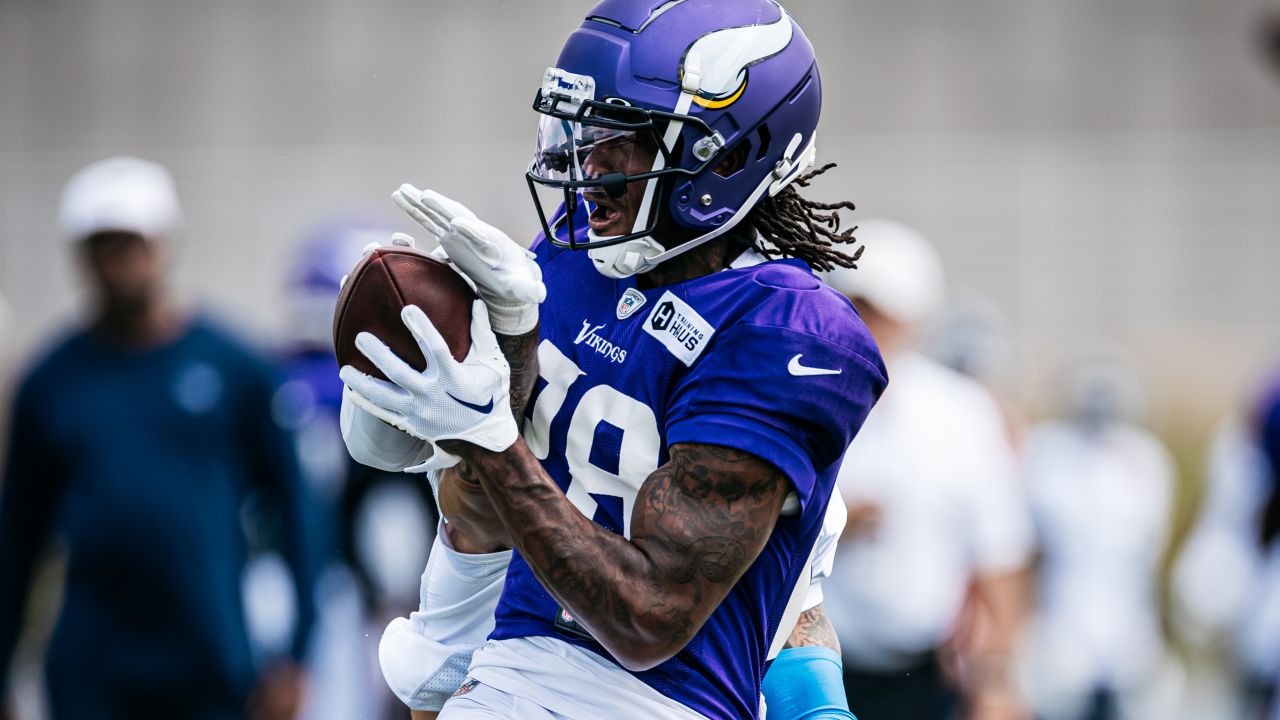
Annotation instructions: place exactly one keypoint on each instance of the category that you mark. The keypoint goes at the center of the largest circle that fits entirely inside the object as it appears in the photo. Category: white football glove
(372, 442)
(397, 240)
(450, 400)
(505, 275)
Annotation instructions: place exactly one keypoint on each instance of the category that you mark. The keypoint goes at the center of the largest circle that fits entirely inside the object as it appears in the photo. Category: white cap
(900, 273)
(121, 193)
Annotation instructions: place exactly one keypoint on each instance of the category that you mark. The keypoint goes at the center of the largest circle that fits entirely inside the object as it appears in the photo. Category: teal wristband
(806, 683)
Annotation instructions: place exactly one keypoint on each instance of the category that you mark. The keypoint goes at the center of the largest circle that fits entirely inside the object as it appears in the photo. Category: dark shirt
(141, 460)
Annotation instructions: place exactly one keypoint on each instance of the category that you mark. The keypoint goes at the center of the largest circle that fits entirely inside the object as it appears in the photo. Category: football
(387, 280)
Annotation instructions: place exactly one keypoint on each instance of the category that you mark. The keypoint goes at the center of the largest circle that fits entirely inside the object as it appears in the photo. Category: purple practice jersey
(765, 359)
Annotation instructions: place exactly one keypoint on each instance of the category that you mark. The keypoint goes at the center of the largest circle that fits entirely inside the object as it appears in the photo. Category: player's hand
(279, 693)
(374, 443)
(450, 400)
(397, 240)
(505, 275)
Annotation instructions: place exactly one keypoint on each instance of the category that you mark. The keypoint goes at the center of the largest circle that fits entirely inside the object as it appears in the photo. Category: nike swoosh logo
(482, 409)
(795, 368)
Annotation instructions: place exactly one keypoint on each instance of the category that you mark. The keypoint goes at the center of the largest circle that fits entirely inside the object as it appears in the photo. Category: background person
(373, 528)
(972, 337)
(1259, 640)
(136, 438)
(1226, 580)
(928, 590)
(1101, 494)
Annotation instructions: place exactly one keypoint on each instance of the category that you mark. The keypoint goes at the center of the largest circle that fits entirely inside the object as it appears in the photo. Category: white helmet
(900, 273)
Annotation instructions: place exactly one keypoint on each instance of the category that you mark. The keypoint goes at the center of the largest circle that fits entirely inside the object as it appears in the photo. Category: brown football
(387, 280)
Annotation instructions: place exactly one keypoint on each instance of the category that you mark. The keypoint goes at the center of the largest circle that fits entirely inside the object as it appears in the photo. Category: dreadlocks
(788, 225)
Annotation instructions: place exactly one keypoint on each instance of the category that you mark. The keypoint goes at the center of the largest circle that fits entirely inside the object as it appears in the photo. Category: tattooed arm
(474, 526)
(805, 679)
(813, 629)
(699, 522)
(521, 352)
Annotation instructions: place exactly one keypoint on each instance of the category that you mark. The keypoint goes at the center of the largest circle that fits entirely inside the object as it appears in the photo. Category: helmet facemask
(611, 159)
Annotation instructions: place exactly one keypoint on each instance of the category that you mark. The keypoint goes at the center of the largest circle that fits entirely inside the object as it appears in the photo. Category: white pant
(482, 702)
(424, 657)
(569, 681)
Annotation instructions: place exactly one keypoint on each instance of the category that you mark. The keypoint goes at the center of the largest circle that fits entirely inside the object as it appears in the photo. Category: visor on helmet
(572, 152)
(589, 148)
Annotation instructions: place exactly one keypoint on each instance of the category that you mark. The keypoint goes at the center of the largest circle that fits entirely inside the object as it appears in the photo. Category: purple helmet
(697, 81)
(325, 254)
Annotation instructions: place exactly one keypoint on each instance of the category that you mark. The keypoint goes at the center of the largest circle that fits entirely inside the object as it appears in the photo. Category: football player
(424, 657)
(686, 400)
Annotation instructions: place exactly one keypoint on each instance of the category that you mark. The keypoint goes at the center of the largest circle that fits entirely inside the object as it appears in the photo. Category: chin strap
(638, 256)
(625, 259)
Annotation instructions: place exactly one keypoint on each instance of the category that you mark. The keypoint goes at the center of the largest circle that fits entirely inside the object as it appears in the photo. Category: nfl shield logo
(565, 623)
(465, 687)
(631, 301)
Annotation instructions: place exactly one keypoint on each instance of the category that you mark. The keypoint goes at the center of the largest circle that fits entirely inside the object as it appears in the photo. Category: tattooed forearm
(698, 523)
(814, 629)
(521, 352)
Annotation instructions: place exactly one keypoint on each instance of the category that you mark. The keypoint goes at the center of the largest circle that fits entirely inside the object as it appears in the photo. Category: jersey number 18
(638, 451)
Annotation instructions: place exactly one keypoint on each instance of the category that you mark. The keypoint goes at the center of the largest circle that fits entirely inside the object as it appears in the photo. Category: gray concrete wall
(1107, 170)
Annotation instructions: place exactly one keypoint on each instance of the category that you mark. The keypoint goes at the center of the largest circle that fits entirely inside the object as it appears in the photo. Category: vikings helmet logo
(725, 56)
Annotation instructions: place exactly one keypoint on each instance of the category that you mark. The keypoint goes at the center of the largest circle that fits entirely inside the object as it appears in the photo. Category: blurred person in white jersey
(1101, 491)
(1226, 580)
(928, 592)
(972, 337)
